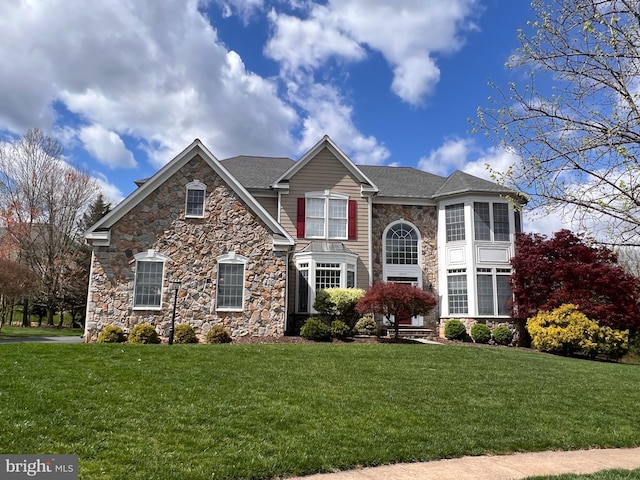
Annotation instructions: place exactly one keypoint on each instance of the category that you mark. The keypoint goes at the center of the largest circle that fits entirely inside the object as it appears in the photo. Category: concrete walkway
(497, 467)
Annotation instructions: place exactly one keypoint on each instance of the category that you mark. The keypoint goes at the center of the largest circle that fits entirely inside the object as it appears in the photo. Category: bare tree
(573, 114)
(42, 199)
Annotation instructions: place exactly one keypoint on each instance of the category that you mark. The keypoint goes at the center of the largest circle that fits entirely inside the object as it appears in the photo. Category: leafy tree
(395, 301)
(573, 113)
(563, 269)
(41, 201)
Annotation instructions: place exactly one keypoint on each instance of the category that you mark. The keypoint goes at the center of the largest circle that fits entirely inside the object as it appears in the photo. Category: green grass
(12, 331)
(260, 411)
(603, 475)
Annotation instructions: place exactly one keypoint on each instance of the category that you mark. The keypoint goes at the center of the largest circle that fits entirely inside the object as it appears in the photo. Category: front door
(407, 319)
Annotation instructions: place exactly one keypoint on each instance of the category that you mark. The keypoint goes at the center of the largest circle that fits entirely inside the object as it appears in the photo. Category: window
(149, 278)
(457, 291)
(317, 272)
(486, 215)
(494, 291)
(401, 245)
(195, 199)
(517, 221)
(230, 285)
(454, 220)
(327, 215)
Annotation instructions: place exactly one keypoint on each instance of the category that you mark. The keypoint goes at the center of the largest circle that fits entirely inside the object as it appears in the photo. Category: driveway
(42, 340)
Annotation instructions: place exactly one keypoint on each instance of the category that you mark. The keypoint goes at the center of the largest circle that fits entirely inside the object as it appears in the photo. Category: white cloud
(410, 34)
(106, 146)
(154, 71)
(111, 193)
(494, 159)
(452, 155)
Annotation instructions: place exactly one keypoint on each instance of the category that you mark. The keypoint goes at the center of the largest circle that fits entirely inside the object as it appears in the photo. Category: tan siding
(270, 204)
(326, 172)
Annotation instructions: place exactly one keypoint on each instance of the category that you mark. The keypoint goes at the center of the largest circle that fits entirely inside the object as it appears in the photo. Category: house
(252, 239)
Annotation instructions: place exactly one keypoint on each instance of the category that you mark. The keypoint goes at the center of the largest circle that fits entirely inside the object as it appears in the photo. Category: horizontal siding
(270, 204)
(326, 172)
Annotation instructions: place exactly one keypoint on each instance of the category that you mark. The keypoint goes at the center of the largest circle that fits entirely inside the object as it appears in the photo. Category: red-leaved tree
(395, 301)
(549, 272)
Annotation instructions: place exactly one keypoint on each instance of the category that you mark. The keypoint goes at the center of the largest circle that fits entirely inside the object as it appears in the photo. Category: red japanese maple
(395, 301)
(549, 272)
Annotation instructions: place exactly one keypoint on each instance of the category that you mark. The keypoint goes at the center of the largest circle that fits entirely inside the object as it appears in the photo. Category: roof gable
(99, 231)
(366, 183)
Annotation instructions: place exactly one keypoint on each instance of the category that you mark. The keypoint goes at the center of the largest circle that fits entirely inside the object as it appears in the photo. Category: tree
(41, 201)
(16, 281)
(574, 121)
(563, 269)
(395, 301)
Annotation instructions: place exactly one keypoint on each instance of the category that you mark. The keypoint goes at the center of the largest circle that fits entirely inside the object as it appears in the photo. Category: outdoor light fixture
(175, 286)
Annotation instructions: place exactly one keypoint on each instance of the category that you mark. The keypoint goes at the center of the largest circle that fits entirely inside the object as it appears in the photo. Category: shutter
(301, 217)
(353, 220)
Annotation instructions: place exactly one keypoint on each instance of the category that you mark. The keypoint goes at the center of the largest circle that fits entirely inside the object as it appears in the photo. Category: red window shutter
(353, 220)
(301, 217)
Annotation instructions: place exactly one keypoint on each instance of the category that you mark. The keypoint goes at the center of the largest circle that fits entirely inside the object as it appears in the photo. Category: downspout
(370, 240)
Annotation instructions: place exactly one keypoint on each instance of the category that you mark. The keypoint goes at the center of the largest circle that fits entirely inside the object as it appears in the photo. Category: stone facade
(192, 245)
(425, 219)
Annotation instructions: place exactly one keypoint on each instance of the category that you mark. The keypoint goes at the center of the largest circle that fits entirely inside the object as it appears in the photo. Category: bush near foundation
(339, 304)
(218, 334)
(480, 333)
(143, 333)
(340, 330)
(316, 330)
(111, 334)
(567, 331)
(185, 333)
(503, 335)
(455, 330)
(366, 326)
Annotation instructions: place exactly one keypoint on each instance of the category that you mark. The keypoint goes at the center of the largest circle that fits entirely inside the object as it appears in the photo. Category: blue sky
(127, 85)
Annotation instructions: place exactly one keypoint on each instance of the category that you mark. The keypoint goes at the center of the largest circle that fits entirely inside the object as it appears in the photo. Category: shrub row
(319, 331)
(145, 333)
(480, 333)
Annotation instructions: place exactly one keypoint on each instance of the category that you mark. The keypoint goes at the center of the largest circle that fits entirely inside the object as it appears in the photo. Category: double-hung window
(454, 221)
(491, 221)
(230, 283)
(327, 215)
(149, 278)
(457, 291)
(494, 291)
(194, 207)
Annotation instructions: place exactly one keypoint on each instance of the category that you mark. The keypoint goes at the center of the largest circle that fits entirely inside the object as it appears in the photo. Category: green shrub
(366, 326)
(218, 334)
(503, 335)
(339, 329)
(339, 304)
(455, 330)
(111, 334)
(481, 333)
(143, 333)
(315, 329)
(185, 333)
(567, 331)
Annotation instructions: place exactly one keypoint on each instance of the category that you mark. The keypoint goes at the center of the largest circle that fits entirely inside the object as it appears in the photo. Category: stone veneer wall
(424, 218)
(192, 244)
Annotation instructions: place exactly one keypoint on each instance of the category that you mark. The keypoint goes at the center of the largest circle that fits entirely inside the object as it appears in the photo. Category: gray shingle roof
(460, 182)
(403, 181)
(257, 172)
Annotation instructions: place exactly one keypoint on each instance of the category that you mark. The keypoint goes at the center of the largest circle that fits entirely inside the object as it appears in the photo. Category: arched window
(402, 245)
(194, 207)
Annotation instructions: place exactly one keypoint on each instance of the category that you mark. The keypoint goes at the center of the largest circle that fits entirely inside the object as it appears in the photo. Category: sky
(126, 85)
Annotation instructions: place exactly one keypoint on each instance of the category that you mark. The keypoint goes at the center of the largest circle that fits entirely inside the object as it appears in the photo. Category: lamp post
(175, 286)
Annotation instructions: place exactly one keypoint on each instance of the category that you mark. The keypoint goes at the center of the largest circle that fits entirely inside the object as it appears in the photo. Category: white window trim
(149, 256)
(195, 185)
(326, 195)
(494, 273)
(232, 258)
(492, 233)
(348, 263)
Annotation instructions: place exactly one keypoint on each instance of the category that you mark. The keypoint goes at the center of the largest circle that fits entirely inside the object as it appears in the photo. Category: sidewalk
(497, 467)
(42, 339)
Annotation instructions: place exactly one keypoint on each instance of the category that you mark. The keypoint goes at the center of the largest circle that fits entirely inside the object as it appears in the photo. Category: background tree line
(45, 206)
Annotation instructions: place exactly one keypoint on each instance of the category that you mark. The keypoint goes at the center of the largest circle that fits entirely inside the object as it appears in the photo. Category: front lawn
(260, 411)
